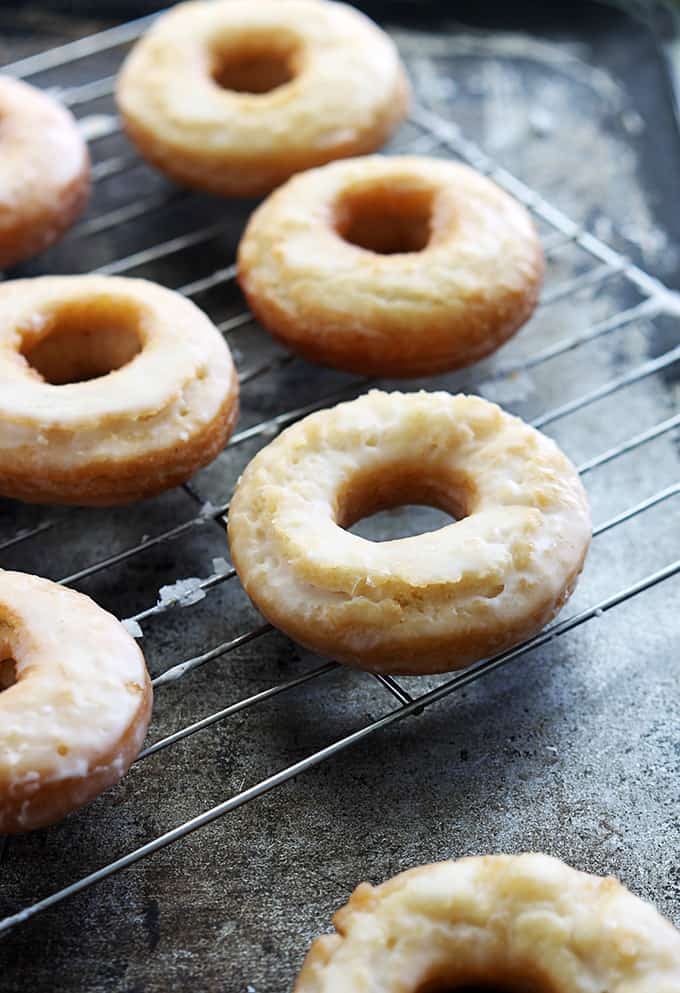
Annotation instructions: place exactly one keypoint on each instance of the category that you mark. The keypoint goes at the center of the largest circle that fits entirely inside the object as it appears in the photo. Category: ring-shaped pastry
(75, 701)
(520, 924)
(44, 171)
(111, 389)
(428, 603)
(391, 265)
(233, 97)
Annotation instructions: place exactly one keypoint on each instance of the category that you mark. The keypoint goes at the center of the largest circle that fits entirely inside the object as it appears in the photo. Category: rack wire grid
(552, 377)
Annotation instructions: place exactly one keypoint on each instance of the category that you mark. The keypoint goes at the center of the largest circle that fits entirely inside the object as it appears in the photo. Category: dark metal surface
(572, 749)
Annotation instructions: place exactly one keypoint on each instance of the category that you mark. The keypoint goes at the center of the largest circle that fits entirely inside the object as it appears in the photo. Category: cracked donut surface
(428, 603)
(391, 265)
(520, 924)
(44, 171)
(111, 389)
(233, 97)
(75, 701)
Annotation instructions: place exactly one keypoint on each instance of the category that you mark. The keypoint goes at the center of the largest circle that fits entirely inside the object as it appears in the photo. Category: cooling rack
(62, 70)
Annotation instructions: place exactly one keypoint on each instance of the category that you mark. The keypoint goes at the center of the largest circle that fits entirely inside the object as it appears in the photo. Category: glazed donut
(391, 266)
(428, 603)
(233, 97)
(44, 171)
(75, 701)
(524, 923)
(111, 389)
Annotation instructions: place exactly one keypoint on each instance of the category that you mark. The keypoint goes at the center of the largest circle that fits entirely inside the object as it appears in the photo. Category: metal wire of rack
(434, 133)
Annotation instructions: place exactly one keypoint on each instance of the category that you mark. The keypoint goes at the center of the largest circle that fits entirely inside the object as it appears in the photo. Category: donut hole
(257, 65)
(384, 220)
(480, 989)
(8, 673)
(83, 341)
(402, 521)
(395, 501)
(517, 981)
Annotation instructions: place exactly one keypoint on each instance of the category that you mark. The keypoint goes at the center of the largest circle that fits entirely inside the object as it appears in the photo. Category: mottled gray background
(572, 750)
